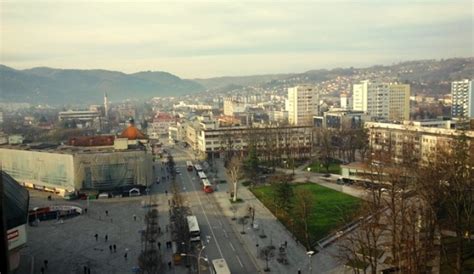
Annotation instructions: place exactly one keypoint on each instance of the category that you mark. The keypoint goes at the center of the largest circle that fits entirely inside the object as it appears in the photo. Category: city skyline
(199, 40)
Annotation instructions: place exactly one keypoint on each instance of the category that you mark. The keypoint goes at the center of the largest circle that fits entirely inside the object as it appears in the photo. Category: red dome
(132, 133)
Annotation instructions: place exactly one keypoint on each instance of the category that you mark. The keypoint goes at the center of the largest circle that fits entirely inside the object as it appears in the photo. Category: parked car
(103, 195)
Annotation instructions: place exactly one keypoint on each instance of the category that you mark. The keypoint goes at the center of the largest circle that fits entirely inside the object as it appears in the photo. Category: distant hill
(436, 73)
(57, 86)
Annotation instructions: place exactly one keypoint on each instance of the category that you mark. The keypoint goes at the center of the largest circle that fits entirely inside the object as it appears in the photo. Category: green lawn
(316, 167)
(328, 210)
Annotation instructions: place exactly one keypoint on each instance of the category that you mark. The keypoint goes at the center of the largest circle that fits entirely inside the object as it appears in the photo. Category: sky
(201, 39)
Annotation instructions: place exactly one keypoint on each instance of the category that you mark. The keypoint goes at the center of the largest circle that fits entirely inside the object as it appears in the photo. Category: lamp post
(310, 254)
(197, 257)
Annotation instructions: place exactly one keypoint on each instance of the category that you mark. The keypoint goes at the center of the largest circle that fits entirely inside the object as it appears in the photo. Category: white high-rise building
(388, 101)
(463, 99)
(303, 104)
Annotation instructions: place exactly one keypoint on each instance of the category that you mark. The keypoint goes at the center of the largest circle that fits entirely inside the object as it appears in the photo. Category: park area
(318, 167)
(329, 209)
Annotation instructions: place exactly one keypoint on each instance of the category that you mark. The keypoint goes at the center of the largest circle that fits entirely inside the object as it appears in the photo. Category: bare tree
(302, 209)
(234, 171)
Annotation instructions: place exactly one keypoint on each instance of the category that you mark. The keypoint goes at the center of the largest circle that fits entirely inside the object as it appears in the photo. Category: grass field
(334, 168)
(329, 208)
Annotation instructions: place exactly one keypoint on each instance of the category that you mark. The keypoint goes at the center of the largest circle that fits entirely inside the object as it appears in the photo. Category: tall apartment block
(463, 99)
(303, 104)
(386, 101)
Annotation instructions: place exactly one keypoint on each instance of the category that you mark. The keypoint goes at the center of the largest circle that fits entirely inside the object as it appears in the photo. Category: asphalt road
(220, 239)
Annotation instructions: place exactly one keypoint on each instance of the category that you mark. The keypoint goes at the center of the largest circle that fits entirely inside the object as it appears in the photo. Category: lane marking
(238, 259)
(231, 246)
(207, 219)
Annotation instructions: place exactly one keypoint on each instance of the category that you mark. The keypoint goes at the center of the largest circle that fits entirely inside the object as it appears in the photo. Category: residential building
(303, 104)
(462, 99)
(160, 125)
(424, 141)
(232, 106)
(383, 101)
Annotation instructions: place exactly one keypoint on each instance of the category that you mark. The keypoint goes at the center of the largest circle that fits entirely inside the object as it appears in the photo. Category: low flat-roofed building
(65, 168)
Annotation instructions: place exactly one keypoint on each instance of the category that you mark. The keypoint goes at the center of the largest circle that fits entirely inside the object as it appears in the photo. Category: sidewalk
(276, 233)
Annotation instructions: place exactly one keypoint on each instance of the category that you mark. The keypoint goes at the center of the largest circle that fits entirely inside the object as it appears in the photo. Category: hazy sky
(204, 39)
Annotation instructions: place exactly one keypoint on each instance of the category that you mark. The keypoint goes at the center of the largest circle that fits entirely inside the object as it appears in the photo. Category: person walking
(96, 237)
(85, 210)
(85, 269)
(45, 262)
(134, 217)
(169, 264)
(106, 237)
(159, 246)
(115, 248)
(107, 213)
(42, 270)
(125, 255)
(110, 248)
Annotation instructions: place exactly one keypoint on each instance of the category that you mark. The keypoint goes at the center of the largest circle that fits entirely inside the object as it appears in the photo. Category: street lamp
(310, 254)
(197, 257)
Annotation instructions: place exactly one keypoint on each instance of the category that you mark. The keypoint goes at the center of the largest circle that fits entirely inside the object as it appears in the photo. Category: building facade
(462, 95)
(384, 101)
(424, 141)
(298, 139)
(303, 104)
(63, 169)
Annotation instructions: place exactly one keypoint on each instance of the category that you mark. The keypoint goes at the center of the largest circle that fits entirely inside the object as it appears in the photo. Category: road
(220, 239)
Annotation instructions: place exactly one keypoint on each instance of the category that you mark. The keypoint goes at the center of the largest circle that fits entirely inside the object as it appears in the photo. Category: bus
(189, 165)
(202, 175)
(198, 168)
(219, 266)
(193, 226)
(207, 187)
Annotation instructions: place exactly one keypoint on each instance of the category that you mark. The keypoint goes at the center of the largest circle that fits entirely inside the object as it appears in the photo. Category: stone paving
(70, 245)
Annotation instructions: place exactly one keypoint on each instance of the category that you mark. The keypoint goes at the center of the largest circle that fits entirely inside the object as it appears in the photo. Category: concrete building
(68, 168)
(232, 106)
(426, 140)
(346, 101)
(341, 118)
(160, 125)
(81, 118)
(303, 104)
(383, 101)
(212, 141)
(462, 99)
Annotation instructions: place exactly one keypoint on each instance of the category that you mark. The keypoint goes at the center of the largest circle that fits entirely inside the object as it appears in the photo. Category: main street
(217, 234)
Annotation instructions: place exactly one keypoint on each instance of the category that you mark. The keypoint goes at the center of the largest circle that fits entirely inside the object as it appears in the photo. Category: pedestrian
(115, 248)
(45, 264)
(125, 256)
(286, 244)
(169, 264)
(96, 237)
(134, 217)
(159, 230)
(110, 248)
(85, 210)
(88, 270)
(106, 213)
(166, 192)
(166, 227)
(85, 269)
(299, 271)
(159, 246)
(106, 237)
(42, 270)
